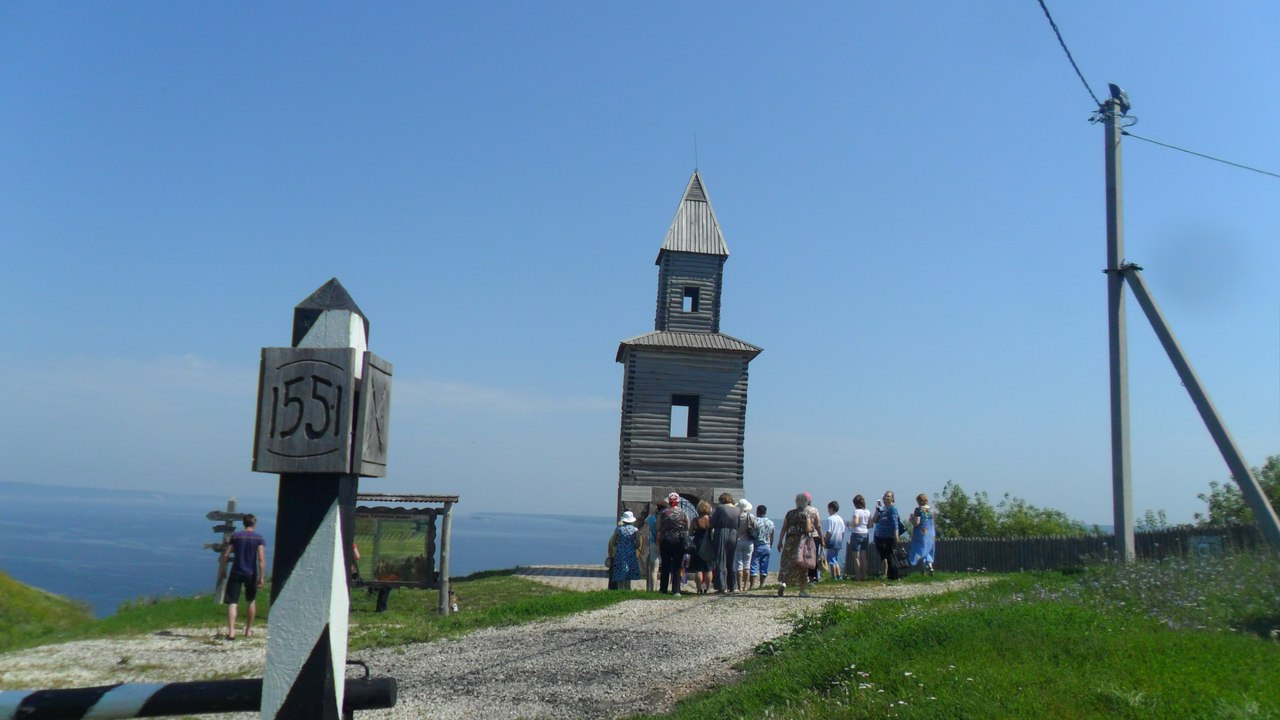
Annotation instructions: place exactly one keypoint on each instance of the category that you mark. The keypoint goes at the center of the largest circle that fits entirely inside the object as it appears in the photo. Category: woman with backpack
(760, 555)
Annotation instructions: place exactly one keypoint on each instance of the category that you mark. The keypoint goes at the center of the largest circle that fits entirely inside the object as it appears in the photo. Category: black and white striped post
(162, 699)
(322, 422)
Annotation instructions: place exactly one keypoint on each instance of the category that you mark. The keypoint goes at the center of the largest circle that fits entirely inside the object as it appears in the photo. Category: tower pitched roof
(695, 228)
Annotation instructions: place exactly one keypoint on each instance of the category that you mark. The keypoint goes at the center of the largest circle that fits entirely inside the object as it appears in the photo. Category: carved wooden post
(322, 422)
(446, 528)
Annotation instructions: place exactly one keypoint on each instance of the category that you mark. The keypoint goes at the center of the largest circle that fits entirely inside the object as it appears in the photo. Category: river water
(105, 547)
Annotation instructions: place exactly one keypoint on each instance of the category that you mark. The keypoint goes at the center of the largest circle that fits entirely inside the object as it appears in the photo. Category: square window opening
(689, 300)
(684, 416)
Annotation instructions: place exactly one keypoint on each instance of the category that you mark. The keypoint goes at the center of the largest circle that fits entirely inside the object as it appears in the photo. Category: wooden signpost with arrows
(228, 517)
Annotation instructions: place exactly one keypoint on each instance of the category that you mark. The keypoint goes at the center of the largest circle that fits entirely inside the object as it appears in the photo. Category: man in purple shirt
(247, 556)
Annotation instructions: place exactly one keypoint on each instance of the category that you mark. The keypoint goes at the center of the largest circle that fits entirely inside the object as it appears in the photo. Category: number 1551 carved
(305, 410)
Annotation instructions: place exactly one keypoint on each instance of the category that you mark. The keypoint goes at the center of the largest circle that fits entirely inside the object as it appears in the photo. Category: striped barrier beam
(180, 698)
(322, 419)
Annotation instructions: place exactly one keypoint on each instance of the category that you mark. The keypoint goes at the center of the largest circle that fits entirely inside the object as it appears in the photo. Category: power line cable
(1072, 60)
(1197, 154)
(1094, 95)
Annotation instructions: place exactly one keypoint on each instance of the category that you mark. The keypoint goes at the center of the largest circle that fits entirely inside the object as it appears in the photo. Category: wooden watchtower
(684, 387)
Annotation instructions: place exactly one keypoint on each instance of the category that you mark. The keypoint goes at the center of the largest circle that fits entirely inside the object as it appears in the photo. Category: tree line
(961, 514)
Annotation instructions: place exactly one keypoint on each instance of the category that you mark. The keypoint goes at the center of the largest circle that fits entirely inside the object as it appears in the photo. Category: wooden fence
(1051, 553)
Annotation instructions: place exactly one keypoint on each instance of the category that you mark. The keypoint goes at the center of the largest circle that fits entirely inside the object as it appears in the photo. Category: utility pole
(1111, 112)
(1119, 273)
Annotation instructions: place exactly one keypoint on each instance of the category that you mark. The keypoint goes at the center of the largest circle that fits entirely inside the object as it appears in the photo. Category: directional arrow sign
(223, 515)
(224, 528)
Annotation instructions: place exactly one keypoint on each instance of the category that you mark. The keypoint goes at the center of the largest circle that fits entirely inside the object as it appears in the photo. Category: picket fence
(1052, 553)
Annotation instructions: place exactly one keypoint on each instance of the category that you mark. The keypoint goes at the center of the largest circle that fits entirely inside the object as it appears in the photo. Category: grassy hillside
(1171, 639)
(28, 615)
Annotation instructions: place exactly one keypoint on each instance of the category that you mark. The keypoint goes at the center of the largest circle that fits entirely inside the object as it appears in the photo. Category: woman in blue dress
(922, 534)
(626, 547)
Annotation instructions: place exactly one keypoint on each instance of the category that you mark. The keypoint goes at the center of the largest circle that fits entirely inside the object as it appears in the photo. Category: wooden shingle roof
(695, 228)
(690, 341)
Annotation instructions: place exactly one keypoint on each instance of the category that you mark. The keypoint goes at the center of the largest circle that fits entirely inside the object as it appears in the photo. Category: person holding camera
(888, 527)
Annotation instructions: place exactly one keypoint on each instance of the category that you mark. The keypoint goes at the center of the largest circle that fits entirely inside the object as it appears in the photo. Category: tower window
(690, 299)
(684, 416)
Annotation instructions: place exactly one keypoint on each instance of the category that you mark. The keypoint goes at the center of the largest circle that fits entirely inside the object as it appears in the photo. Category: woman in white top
(859, 526)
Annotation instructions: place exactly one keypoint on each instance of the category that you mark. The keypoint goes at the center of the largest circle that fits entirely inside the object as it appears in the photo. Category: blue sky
(911, 194)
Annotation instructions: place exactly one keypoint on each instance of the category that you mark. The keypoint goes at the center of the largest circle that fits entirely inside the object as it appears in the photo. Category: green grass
(29, 616)
(135, 617)
(489, 599)
(145, 615)
(1096, 645)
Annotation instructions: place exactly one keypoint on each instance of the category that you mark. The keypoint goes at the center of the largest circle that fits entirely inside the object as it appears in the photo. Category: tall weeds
(1237, 591)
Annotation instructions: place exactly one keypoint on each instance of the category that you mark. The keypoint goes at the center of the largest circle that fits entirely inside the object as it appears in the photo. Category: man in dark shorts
(247, 553)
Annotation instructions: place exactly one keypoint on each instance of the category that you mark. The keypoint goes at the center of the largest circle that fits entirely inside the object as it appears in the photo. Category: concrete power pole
(1111, 113)
(1119, 273)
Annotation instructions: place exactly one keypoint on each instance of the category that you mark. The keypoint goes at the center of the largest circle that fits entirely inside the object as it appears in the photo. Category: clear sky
(911, 194)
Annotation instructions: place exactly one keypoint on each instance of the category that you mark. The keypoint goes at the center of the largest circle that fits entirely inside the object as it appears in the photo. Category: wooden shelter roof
(405, 498)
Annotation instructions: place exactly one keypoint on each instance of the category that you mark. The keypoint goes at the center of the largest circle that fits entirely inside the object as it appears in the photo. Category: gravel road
(572, 667)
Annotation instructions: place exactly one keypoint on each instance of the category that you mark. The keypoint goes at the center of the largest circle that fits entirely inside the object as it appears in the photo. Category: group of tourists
(884, 528)
(724, 548)
(727, 548)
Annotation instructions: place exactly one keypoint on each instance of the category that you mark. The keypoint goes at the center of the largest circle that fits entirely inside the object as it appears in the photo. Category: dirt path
(635, 656)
